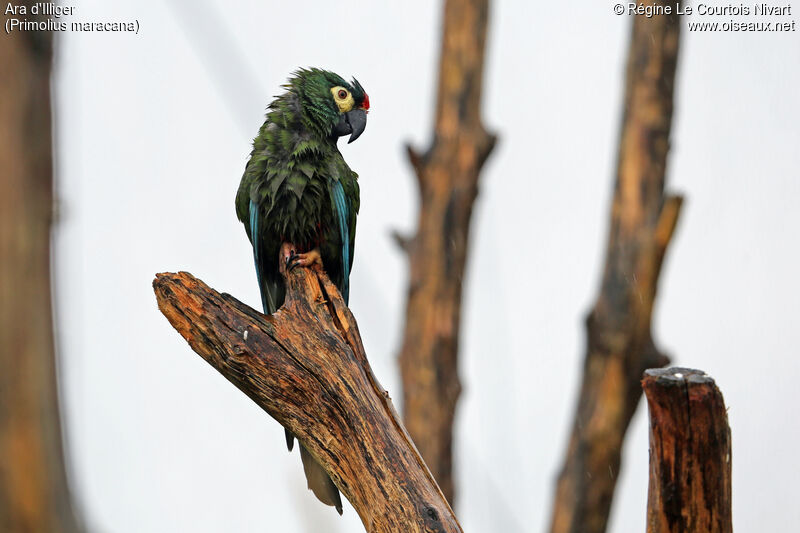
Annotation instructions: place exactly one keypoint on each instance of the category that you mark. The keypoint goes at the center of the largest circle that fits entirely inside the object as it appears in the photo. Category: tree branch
(447, 175)
(619, 341)
(305, 365)
(690, 453)
(34, 494)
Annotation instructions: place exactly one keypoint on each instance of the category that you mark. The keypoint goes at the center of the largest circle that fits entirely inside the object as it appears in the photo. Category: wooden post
(619, 345)
(690, 453)
(447, 176)
(34, 496)
(305, 366)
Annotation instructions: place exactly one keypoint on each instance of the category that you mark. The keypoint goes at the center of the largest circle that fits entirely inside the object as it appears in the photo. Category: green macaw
(298, 199)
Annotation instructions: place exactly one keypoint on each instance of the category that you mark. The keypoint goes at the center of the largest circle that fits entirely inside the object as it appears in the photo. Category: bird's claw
(289, 258)
(304, 260)
(293, 261)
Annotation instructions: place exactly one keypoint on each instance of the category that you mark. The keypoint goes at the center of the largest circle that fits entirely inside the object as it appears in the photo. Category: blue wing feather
(342, 215)
(254, 240)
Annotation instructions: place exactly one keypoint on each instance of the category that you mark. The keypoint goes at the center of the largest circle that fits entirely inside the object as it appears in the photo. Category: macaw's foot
(304, 260)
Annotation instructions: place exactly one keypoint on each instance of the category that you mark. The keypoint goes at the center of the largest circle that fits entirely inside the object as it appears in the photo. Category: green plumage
(297, 188)
(290, 178)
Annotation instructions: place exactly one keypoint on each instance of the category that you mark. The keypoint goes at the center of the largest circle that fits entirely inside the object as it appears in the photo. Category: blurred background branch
(447, 176)
(619, 341)
(34, 497)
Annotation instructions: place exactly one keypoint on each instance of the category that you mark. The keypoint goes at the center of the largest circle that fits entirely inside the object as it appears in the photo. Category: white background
(153, 131)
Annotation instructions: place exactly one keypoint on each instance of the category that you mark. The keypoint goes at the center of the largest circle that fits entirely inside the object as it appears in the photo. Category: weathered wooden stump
(690, 453)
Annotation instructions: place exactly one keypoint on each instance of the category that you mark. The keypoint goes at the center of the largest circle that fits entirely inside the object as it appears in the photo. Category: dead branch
(447, 175)
(305, 366)
(619, 345)
(34, 495)
(690, 453)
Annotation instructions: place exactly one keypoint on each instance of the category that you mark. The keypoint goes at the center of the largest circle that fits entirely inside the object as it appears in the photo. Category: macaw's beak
(357, 118)
(351, 123)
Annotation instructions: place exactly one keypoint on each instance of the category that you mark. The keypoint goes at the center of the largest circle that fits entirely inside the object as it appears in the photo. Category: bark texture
(690, 453)
(33, 486)
(619, 342)
(447, 175)
(305, 365)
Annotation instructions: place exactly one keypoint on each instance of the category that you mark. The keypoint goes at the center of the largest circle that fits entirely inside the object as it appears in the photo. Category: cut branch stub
(305, 365)
(690, 453)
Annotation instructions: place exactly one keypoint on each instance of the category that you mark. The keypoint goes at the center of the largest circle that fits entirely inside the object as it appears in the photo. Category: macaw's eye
(342, 98)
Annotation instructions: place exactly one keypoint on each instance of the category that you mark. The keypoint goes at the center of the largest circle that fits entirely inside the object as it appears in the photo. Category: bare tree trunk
(619, 342)
(33, 487)
(447, 175)
(305, 365)
(690, 453)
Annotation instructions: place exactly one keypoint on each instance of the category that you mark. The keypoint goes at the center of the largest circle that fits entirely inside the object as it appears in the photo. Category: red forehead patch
(365, 104)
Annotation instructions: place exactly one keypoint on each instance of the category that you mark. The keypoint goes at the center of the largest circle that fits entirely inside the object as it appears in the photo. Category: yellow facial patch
(343, 99)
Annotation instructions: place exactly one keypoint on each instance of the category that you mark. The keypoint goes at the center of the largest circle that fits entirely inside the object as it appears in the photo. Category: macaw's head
(331, 106)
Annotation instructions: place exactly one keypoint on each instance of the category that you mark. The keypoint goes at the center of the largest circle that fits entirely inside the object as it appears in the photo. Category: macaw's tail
(319, 482)
(272, 295)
